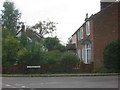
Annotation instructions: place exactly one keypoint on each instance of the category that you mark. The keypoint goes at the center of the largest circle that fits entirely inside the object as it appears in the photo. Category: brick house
(96, 32)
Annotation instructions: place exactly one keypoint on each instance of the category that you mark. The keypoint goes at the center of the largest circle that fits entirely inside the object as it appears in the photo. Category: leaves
(10, 48)
(10, 17)
(53, 43)
(44, 27)
(111, 56)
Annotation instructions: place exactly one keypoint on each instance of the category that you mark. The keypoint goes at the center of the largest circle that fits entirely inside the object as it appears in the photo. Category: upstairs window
(81, 33)
(87, 28)
(78, 33)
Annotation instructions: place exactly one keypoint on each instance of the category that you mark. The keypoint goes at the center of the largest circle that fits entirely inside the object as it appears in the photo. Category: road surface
(61, 82)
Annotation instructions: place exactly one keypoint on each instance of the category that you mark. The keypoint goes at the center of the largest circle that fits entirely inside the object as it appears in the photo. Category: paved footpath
(61, 82)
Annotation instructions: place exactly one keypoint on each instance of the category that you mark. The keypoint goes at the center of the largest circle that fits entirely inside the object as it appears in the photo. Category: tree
(10, 49)
(33, 35)
(10, 17)
(53, 43)
(32, 54)
(44, 28)
(111, 56)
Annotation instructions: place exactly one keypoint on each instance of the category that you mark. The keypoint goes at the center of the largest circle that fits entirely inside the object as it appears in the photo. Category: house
(30, 34)
(72, 42)
(96, 32)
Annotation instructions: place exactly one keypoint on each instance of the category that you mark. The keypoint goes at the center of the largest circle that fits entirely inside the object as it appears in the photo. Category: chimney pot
(86, 16)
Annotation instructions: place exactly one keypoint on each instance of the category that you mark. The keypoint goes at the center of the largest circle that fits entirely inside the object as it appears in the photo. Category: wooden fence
(22, 69)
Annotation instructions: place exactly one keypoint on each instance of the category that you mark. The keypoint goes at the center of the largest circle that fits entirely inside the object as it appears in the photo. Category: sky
(69, 14)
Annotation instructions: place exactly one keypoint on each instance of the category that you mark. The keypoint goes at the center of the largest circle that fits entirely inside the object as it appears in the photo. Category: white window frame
(88, 28)
(86, 53)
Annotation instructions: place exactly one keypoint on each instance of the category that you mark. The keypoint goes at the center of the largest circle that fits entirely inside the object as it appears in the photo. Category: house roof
(83, 24)
(92, 16)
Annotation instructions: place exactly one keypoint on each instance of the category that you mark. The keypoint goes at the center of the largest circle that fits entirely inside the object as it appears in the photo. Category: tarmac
(60, 75)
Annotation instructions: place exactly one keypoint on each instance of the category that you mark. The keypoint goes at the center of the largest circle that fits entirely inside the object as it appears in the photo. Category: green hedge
(111, 56)
(68, 61)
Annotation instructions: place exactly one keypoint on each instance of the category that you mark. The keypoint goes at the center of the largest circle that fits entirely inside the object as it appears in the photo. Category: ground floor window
(86, 53)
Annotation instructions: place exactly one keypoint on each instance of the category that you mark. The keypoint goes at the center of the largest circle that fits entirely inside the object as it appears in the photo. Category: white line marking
(23, 86)
(7, 85)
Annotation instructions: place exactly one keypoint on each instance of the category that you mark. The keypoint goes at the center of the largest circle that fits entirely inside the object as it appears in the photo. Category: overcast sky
(69, 14)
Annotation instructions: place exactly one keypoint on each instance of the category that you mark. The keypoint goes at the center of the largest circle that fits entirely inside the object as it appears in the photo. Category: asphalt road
(61, 82)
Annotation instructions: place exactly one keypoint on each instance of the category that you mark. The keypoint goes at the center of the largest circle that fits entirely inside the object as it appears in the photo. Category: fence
(86, 68)
(22, 69)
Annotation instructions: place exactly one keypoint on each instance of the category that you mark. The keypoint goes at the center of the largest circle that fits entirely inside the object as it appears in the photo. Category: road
(61, 82)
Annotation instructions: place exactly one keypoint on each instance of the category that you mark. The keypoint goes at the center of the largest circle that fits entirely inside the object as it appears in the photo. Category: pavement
(60, 75)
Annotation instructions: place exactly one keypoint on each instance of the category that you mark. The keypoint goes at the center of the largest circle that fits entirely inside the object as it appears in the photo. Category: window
(81, 33)
(86, 53)
(78, 33)
(88, 28)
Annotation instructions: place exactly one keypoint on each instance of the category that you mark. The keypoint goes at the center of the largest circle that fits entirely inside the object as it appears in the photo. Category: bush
(111, 53)
(68, 61)
(52, 61)
(103, 70)
(32, 54)
(10, 46)
(52, 57)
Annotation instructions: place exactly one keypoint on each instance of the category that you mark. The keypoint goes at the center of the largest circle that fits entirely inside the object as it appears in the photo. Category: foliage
(23, 39)
(68, 61)
(111, 54)
(52, 57)
(10, 17)
(53, 43)
(52, 61)
(103, 70)
(10, 47)
(32, 54)
(44, 28)
(40, 51)
(69, 58)
(33, 35)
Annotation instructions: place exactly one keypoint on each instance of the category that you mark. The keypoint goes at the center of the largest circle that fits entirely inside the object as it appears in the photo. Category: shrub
(52, 61)
(68, 61)
(103, 70)
(111, 53)
(52, 57)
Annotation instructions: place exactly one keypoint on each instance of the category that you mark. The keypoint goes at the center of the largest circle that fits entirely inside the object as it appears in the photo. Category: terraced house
(96, 32)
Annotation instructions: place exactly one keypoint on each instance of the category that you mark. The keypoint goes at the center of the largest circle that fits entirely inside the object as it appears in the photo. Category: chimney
(105, 3)
(86, 17)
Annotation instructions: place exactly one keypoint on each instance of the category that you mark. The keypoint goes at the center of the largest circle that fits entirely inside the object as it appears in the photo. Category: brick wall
(105, 30)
